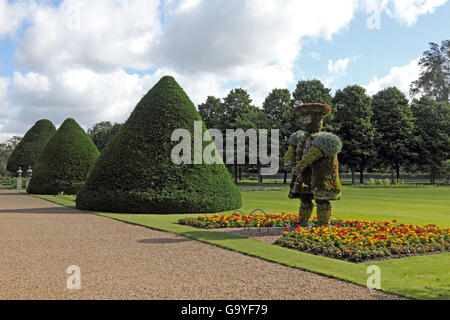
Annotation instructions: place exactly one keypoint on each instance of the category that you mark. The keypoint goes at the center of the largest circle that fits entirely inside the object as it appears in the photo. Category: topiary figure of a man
(312, 158)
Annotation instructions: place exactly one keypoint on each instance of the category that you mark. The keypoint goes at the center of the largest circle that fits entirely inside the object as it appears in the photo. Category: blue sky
(94, 60)
(374, 52)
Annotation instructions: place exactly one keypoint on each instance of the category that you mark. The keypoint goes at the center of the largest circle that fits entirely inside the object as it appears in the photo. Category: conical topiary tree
(135, 173)
(65, 162)
(31, 145)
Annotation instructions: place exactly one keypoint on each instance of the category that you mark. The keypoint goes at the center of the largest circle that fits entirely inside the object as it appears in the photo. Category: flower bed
(237, 220)
(350, 240)
(357, 241)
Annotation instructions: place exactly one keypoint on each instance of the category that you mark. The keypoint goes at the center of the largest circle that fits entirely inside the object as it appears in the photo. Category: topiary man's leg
(324, 212)
(306, 209)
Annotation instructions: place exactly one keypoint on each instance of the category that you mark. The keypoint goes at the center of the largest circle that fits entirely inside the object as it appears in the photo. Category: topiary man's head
(310, 115)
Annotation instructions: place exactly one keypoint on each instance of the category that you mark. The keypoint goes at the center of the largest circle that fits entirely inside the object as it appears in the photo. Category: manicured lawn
(413, 205)
(67, 201)
(420, 277)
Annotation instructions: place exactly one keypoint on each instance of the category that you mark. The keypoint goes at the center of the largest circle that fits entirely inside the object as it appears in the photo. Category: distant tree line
(6, 148)
(101, 133)
(380, 132)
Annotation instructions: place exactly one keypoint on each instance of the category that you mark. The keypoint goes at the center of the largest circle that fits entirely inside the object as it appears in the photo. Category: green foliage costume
(312, 158)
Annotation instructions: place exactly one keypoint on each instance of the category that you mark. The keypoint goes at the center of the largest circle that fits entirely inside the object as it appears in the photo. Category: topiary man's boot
(324, 212)
(306, 209)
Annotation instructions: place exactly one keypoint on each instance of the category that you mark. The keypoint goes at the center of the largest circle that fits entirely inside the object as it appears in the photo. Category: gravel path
(39, 240)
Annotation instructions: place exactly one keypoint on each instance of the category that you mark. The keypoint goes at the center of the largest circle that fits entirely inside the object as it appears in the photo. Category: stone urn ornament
(19, 178)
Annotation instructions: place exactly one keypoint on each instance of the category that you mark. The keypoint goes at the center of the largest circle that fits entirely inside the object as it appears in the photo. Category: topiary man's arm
(289, 158)
(308, 159)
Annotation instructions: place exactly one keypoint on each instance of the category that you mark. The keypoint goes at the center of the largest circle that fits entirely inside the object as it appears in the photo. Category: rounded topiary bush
(31, 145)
(65, 162)
(135, 172)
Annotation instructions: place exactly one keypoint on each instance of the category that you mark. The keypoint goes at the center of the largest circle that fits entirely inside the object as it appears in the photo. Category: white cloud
(100, 35)
(216, 36)
(198, 86)
(199, 40)
(406, 11)
(339, 67)
(6, 112)
(247, 42)
(89, 96)
(213, 39)
(76, 53)
(81, 93)
(400, 77)
(188, 4)
(12, 15)
(4, 84)
(336, 70)
(32, 83)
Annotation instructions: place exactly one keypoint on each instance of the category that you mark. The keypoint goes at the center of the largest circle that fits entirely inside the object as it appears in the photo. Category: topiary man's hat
(312, 108)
